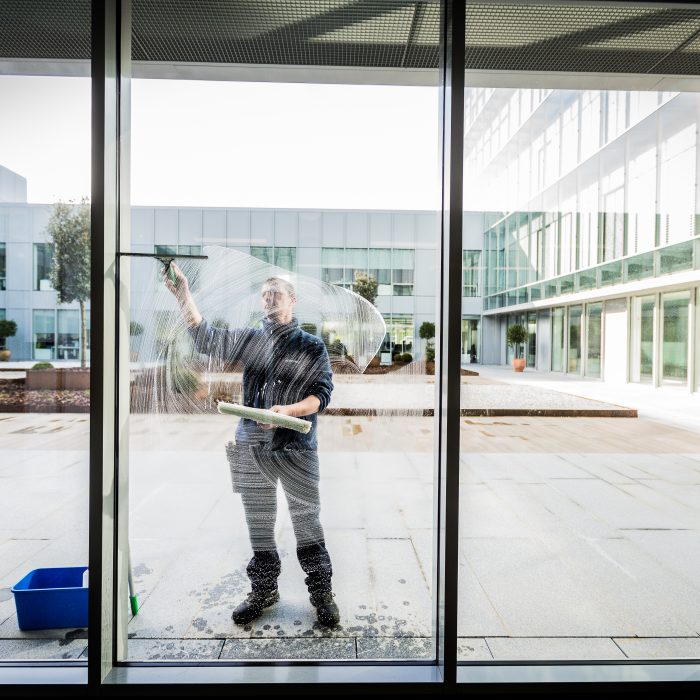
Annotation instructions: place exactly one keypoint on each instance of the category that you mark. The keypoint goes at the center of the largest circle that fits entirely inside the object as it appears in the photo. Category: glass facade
(621, 201)
(570, 543)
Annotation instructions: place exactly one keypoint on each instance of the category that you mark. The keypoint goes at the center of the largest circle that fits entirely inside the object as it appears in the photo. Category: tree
(427, 333)
(7, 330)
(68, 232)
(516, 335)
(366, 286)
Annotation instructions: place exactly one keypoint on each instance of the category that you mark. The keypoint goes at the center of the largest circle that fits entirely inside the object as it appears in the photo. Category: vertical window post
(448, 337)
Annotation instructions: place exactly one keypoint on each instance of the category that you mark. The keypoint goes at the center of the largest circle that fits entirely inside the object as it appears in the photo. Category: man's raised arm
(181, 292)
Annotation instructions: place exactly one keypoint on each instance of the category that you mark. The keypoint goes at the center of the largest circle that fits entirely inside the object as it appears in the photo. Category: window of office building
(283, 257)
(674, 334)
(471, 272)
(594, 315)
(68, 336)
(558, 338)
(642, 339)
(402, 260)
(380, 269)
(531, 354)
(43, 256)
(189, 250)
(3, 267)
(574, 340)
(44, 334)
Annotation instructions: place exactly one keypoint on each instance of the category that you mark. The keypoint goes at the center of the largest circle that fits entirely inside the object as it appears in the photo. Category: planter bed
(14, 398)
(73, 378)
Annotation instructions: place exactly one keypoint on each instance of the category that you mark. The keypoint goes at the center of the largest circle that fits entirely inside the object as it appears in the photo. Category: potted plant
(135, 331)
(7, 330)
(427, 333)
(516, 335)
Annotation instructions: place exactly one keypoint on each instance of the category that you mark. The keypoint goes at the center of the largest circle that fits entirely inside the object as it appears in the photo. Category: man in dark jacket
(288, 371)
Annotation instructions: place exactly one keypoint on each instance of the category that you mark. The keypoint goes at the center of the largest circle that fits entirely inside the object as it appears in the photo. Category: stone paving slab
(174, 649)
(554, 649)
(473, 649)
(543, 552)
(41, 649)
(409, 648)
(659, 648)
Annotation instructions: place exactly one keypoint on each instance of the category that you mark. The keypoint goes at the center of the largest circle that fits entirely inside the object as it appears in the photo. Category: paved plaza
(579, 538)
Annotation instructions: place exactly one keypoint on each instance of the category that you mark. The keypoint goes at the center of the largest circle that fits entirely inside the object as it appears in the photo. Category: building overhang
(600, 45)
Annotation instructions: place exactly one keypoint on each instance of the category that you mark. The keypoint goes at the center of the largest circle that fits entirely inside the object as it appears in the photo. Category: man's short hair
(278, 281)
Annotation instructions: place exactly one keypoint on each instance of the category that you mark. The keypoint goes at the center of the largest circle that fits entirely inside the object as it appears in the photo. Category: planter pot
(5, 355)
(57, 379)
(519, 364)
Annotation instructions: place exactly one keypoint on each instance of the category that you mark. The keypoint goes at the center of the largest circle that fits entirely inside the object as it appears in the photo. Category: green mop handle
(132, 591)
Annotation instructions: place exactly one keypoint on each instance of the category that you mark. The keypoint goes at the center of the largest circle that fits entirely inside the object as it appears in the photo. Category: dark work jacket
(283, 364)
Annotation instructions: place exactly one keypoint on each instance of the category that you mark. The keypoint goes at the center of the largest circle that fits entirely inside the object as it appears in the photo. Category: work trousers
(298, 473)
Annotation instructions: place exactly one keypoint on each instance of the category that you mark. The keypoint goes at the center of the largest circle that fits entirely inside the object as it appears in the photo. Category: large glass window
(558, 338)
(471, 273)
(642, 340)
(325, 193)
(44, 326)
(674, 333)
(574, 340)
(594, 326)
(68, 339)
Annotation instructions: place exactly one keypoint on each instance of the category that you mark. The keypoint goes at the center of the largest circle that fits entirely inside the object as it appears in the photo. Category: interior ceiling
(395, 34)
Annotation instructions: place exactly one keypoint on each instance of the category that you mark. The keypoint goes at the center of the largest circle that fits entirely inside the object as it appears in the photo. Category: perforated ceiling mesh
(592, 37)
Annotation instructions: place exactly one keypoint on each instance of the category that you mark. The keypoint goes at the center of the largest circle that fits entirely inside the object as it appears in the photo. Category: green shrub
(406, 357)
(430, 354)
(42, 365)
(7, 330)
(135, 328)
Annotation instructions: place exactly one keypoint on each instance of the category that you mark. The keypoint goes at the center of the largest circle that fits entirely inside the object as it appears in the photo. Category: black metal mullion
(448, 367)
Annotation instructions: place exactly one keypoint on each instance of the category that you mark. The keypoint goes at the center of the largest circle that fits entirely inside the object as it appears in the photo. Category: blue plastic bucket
(47, 598)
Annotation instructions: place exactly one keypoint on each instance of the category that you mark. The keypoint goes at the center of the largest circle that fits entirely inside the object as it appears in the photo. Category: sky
(224, 144)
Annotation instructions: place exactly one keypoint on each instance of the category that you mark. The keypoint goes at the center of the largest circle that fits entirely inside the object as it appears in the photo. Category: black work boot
(254, 604)
(326, 608)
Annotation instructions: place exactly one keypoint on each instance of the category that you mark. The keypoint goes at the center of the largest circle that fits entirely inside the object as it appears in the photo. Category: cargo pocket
(245, 472)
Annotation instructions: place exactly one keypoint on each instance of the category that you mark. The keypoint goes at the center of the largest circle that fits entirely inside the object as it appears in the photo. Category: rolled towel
(263, 415)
